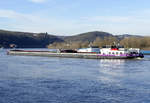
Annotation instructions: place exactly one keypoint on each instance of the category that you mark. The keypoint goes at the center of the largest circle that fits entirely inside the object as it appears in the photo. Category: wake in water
(144, 59)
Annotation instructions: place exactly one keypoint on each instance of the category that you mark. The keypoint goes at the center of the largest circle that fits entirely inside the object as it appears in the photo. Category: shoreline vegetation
(129, 42)
(147, 48)
(10, 39)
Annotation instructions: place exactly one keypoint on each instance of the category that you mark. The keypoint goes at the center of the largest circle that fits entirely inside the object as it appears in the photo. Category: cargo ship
(93, 52)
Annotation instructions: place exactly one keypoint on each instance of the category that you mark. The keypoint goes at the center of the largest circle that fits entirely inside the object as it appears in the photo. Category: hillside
(26, 40)
(89, 36)
(120, 37)
(41, 40)
(97, 38)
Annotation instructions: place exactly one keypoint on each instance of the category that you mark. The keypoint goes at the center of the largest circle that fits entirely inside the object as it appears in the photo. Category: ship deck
(66, 55)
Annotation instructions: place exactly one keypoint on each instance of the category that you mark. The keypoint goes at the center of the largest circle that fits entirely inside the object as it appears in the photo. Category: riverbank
(146, 48)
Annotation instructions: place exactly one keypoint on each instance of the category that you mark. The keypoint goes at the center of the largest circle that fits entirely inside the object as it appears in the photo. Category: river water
(29, 79)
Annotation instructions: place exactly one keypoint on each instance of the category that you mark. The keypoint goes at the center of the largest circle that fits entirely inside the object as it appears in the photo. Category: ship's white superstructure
(113, 51)
(91, 49)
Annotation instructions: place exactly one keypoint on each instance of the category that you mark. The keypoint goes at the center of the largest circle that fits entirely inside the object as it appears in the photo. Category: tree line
(128, 42)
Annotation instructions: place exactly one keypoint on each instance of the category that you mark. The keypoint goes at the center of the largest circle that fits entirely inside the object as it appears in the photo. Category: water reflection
(113, 63)
(111, 70)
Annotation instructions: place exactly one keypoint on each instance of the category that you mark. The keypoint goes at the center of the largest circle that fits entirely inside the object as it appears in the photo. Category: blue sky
(69, 17)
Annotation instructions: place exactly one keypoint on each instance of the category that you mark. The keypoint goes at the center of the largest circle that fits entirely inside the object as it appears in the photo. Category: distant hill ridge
(41, 40)
(88, 36)
(26, 39)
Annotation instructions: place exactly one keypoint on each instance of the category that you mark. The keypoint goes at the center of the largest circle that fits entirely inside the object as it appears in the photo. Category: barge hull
(65, 55)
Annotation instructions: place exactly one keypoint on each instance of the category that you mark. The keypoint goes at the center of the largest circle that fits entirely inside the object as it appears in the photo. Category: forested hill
(26, 39)
(42, 40)
(88, 36)
(98, 38)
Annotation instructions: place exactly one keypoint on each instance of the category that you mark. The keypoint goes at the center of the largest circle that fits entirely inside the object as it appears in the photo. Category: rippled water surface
(29, 79)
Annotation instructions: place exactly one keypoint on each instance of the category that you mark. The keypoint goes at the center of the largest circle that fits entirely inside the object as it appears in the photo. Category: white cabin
(114, 50)
(92, 49)
(134, 50)
(109, 51)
